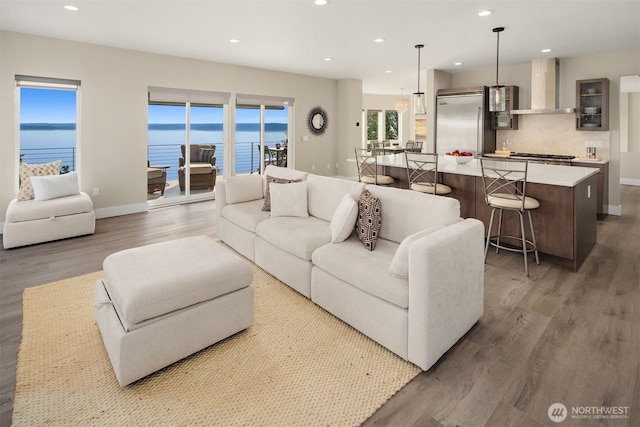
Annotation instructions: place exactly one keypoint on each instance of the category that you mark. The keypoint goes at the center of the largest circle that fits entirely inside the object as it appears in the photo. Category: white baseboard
(614, 209)
(121, 210)
(630, 181)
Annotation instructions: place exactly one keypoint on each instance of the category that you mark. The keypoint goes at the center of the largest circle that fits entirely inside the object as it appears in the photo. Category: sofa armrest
(446, 289)
(221, 199)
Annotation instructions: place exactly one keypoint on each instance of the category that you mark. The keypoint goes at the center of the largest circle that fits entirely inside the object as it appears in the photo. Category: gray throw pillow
(205, 155)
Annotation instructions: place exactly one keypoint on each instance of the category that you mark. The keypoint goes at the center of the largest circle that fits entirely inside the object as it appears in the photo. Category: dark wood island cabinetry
(565, 222)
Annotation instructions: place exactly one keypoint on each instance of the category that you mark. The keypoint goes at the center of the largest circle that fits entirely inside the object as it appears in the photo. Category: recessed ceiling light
(72, 8)
(485, 12)
(388, 71)
(547, 50)
(234, 41)
(321, 2)
(457, 63)
(378, 40)
(328, 59)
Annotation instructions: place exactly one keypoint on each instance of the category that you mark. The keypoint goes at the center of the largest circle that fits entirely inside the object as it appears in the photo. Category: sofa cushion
(325, 194)
(289, 200)
(153, 173)
(351, 263)
(31, 210)
(369, 219)
(243, 188)
(200, 168)
(245, 215)
(344, 219)
(400, 264)
(407, 212)
(297, 236)
(205, 154)
(28, 170)
(266, 206)
(48, 187)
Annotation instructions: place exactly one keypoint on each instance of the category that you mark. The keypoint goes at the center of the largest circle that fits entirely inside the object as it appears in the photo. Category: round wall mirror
(317, 121)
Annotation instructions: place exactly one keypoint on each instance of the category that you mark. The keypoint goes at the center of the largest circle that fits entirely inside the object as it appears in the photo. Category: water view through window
(48, 126)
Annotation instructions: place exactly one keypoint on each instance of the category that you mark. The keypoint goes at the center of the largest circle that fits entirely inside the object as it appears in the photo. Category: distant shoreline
(243, 127)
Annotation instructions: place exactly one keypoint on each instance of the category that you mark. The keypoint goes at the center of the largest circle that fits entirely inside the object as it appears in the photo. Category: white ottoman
(160, 303)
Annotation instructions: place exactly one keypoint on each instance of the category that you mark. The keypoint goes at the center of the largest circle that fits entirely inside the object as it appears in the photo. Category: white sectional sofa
(418, 316)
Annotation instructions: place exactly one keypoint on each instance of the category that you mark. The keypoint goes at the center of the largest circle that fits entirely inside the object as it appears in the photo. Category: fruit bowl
(459, 156)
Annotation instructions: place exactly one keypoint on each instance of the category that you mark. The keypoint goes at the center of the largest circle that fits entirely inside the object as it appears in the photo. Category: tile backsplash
(552, 134)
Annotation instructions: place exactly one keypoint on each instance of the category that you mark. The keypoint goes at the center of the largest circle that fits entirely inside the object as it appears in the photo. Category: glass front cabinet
(592, 104)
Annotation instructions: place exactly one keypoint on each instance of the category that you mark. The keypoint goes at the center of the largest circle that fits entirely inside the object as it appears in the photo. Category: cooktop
(544, 156)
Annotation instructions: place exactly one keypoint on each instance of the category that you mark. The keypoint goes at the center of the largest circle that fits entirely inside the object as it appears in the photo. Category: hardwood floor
(556, 336)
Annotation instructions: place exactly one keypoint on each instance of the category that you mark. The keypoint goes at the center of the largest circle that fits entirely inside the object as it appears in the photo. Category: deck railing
(247, 157)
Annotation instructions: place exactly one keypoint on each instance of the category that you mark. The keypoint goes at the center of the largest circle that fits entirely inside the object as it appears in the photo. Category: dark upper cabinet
(592, 104)
(501, 120)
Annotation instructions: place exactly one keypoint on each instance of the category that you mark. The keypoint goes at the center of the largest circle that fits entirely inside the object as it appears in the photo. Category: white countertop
(564, 176)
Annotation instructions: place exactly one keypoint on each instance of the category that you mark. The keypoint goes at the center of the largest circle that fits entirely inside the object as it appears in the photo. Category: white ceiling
(295, 35)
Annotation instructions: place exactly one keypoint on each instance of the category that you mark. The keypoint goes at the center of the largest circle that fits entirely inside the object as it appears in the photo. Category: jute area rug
(296, 366)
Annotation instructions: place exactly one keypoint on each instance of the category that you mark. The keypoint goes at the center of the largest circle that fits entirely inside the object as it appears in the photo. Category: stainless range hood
(545, 78)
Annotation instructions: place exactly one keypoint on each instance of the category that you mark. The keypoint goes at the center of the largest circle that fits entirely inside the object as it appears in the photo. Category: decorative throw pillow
(369, 219)
(400, 263)
(205, 154)
(267, 196)
(343, 219)
(289, 200)
(53, 186)
(28, 170)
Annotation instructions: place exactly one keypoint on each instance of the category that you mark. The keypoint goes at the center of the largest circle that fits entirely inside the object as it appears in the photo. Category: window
(182, 122)
(262, 132)
(373, 119)
(391, 125)
(48, 118)
(383, 126)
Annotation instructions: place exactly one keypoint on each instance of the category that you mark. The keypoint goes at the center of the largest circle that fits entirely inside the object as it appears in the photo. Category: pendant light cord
(498, 30)
(419, 46)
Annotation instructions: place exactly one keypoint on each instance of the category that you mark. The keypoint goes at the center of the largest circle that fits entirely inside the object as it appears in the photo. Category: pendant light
(418, 97)
(497, 93)
(402, 104)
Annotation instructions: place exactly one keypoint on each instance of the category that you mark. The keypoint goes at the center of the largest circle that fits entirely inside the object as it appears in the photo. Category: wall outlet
(96, 191)
(305, 138)
(328, 165)
(588, 191)
(313, 167)
(596, 143)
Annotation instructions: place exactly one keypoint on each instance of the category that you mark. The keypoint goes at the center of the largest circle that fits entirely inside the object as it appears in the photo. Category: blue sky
(47, 105)
(59, 106)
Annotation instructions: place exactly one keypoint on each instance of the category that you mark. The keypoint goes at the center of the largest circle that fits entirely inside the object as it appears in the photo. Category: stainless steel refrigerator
(463, 121)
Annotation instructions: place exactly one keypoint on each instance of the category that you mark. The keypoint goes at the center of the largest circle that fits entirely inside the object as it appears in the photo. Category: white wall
(113, 146)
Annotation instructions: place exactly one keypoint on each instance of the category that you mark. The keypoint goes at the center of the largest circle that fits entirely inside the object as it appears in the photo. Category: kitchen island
(565, 222)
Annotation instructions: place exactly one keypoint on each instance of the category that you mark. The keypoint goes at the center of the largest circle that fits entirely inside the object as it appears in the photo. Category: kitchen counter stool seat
(368, 168)
(505, 183)
(422, 173)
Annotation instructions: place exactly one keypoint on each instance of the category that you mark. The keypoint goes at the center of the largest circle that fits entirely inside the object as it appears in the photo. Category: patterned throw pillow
(267, 196)
(28, 170)
(369, 219)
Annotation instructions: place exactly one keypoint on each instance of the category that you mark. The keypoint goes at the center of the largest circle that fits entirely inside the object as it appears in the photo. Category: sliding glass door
(261, 137)
(185, 146)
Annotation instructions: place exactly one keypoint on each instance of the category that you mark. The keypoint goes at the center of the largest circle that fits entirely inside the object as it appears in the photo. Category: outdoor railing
(46, 155)
(247, 157)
